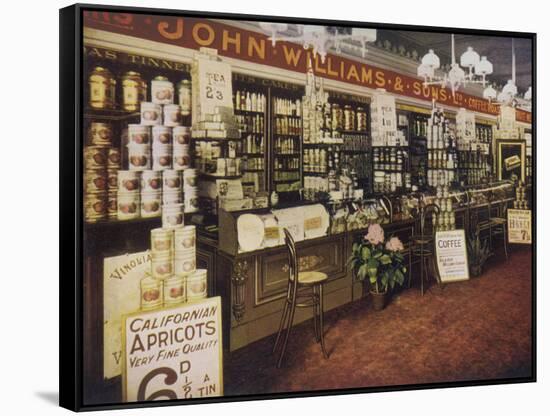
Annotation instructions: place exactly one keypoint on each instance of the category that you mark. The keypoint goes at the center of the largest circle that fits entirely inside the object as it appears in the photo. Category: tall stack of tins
(100, 160)
(158, 153)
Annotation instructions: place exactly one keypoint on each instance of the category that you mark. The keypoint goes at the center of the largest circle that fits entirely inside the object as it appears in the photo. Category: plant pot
(476, 270)
(379, 300)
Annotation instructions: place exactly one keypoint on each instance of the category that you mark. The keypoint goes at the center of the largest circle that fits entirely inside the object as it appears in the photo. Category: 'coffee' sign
(173, 353)
(452, 260)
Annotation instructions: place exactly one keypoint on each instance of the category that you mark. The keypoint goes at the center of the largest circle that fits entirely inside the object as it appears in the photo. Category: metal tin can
(191, 200)
(162, 240)
(184, 238)
(128, 181)
(162, 157)
(134, 91)
(361, 119)
(95, 206)
(184, 96)
(171, 180)
(150, 204)
(197, 285)
(151, 293)
(112, 179)
(161, 265)
(181, 135)
(102, 88)
(95, 181)
(95, 157)
(139, 157)
(162, 91)
(172, 216)
(138, 134)
(174, 290)
(190, 178)
(349, 118)
(151, 181)
(127, 205)
(162, 135)
(172, 115)
(173, 196)
(100, 134)
(184, 263)
(181, 159)
(113, 158)
(150, 114)
(112, 204)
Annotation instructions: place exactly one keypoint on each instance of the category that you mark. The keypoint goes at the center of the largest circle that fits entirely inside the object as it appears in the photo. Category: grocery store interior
(359, 199)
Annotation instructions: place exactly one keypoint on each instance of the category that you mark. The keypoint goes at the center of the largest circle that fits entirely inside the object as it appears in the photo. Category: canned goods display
(184, 97)
(134, 91)
(172, 216)
(150, 114)
(190, 178)
(172, 115)
(128, 205)
(174, 290)
(151, 204)
(138, 134)
(162, 90)
(112, 204)
(181, 160)
(162, 240)
(161, 265)
(151, 293)
(100, 134)
(162, 135)
(191, 199)
(102, 86)
(151, 181)
(197, 285)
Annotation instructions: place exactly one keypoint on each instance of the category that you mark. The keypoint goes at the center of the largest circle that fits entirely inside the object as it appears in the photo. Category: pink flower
(394, 244)
(375, 234)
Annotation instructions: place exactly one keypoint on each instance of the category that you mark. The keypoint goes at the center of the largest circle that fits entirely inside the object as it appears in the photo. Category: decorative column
(238, 279)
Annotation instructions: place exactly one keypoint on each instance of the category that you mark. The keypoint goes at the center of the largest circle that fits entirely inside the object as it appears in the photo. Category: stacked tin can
(445, 220)
(101, 162)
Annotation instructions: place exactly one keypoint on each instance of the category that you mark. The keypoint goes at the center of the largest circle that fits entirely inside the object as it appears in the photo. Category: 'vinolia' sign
(173, 353)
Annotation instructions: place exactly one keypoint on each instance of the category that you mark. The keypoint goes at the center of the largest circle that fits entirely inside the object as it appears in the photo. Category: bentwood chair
(305, 290)
(495, 225)
(422, 242)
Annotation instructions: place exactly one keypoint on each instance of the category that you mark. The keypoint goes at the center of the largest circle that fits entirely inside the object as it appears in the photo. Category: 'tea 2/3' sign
(173, 353)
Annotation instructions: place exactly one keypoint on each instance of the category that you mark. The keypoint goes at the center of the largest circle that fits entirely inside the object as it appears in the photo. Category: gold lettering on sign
(366, 75)
(330, 70)
(177, 34)
(202, 27)
(258, 48)
(227, 40)
(291, 56)
(352, 72)
(380, 81)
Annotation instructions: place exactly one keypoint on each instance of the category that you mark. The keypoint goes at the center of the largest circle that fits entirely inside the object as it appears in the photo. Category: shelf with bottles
(484, 133)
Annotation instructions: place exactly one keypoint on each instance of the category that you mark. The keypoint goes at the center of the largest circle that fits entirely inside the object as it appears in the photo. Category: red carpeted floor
(474, 330)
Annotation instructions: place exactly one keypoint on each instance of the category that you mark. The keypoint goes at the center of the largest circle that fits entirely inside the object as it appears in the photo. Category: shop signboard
(519, 226)
(121, 296)
(173, 353)
(214, 84)
(451, 256)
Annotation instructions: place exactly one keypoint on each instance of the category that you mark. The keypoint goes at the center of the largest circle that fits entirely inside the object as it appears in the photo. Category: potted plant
(380, 261)
(478, 253)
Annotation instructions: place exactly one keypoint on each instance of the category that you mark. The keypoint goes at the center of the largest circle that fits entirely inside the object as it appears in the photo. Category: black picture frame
(72, 302)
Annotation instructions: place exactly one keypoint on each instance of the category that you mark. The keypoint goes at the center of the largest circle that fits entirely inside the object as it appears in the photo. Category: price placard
(173, 353)
(519, 226)
(215, 88)
(451, 256)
